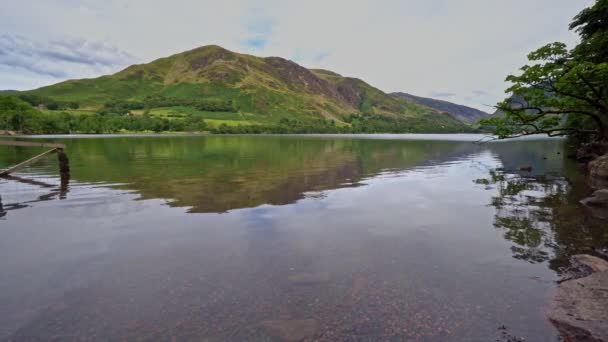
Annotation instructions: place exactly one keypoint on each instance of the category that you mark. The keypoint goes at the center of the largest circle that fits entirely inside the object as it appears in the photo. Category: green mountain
(238, 89)
(461, 112)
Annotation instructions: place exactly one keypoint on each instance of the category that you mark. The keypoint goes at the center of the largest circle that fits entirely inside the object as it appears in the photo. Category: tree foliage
(562, 91)
(591, 24)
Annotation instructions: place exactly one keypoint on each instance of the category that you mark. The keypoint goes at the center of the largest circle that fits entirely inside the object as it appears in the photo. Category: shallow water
(429, 238)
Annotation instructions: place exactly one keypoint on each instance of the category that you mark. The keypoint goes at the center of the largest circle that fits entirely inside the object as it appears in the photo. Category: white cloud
(25, 63)
(417, 46)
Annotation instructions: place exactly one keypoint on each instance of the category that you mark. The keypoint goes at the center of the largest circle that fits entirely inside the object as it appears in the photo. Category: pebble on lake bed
(291, 330)
(309, 278)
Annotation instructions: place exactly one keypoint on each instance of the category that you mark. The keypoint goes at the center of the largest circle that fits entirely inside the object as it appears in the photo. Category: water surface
(429, 238)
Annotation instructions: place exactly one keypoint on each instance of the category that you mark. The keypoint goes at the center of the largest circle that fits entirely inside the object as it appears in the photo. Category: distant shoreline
(472, 137)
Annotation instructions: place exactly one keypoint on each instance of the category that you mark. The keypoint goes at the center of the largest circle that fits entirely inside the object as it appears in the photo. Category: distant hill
(463, 113)
(516, 101)
(243, 89)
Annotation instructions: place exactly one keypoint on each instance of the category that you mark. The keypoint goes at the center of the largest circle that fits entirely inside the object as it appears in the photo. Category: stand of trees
(358, 124)
(209, 105)
(36, 100)
(17, 115)
(562, 91)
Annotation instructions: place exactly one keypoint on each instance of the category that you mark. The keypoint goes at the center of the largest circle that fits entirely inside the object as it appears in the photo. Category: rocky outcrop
(297, 77)
(590, 151)
(579, 307)
(598, 171)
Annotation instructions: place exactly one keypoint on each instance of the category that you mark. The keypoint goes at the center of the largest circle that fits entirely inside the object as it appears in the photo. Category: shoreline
(577, 305)
(472, 137)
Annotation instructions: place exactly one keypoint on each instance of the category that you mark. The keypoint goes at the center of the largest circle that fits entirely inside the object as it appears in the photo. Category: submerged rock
(525, 168)
(598, 203)
(603, 251)
(291, 330)
(599, 199)
(579, 309)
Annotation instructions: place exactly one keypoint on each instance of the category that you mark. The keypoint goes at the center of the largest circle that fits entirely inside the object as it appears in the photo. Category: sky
(459, 51)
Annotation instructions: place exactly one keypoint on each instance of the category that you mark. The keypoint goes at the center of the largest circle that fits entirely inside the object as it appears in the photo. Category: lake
(272, 238)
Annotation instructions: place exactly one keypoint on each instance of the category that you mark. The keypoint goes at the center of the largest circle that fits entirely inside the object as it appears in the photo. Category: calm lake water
(271, 238)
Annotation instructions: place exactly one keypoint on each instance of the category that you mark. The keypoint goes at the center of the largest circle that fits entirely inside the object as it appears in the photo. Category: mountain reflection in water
(217, 174)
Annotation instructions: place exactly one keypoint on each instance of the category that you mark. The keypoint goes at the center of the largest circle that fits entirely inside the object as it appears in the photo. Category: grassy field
(213, 119)
(217, 122)
(72, 111)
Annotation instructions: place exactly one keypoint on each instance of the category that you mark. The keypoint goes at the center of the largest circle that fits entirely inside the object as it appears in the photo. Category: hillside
(516, 101)
(463, 113)
(237, 89)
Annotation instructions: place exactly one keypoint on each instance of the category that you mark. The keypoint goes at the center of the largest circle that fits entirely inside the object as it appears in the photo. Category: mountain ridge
(464, 113)
(259, 89)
